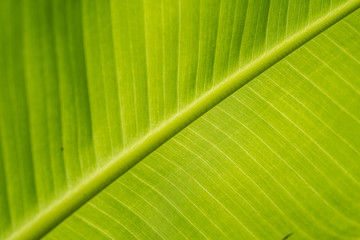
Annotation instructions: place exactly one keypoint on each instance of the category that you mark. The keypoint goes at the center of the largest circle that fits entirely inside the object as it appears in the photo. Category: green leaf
(279, 157)
(91, 88)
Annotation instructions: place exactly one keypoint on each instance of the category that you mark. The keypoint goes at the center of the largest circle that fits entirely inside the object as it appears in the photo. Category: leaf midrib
(61, 208)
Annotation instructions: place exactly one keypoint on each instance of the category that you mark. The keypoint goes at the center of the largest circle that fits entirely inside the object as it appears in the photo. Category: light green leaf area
(90, 88)
(278, 157)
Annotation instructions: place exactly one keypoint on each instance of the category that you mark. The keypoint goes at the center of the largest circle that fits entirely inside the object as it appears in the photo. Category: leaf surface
(91, 88)
(279, 157)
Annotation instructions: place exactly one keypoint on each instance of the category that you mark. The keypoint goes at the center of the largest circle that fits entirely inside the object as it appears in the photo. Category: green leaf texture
(278, 157)
(90, 88)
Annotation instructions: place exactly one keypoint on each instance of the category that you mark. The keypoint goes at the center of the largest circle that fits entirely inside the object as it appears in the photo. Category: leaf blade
(277, 159)
(87, 143)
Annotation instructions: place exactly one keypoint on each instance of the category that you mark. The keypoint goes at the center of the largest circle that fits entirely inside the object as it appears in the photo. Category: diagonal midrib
(60, 209)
